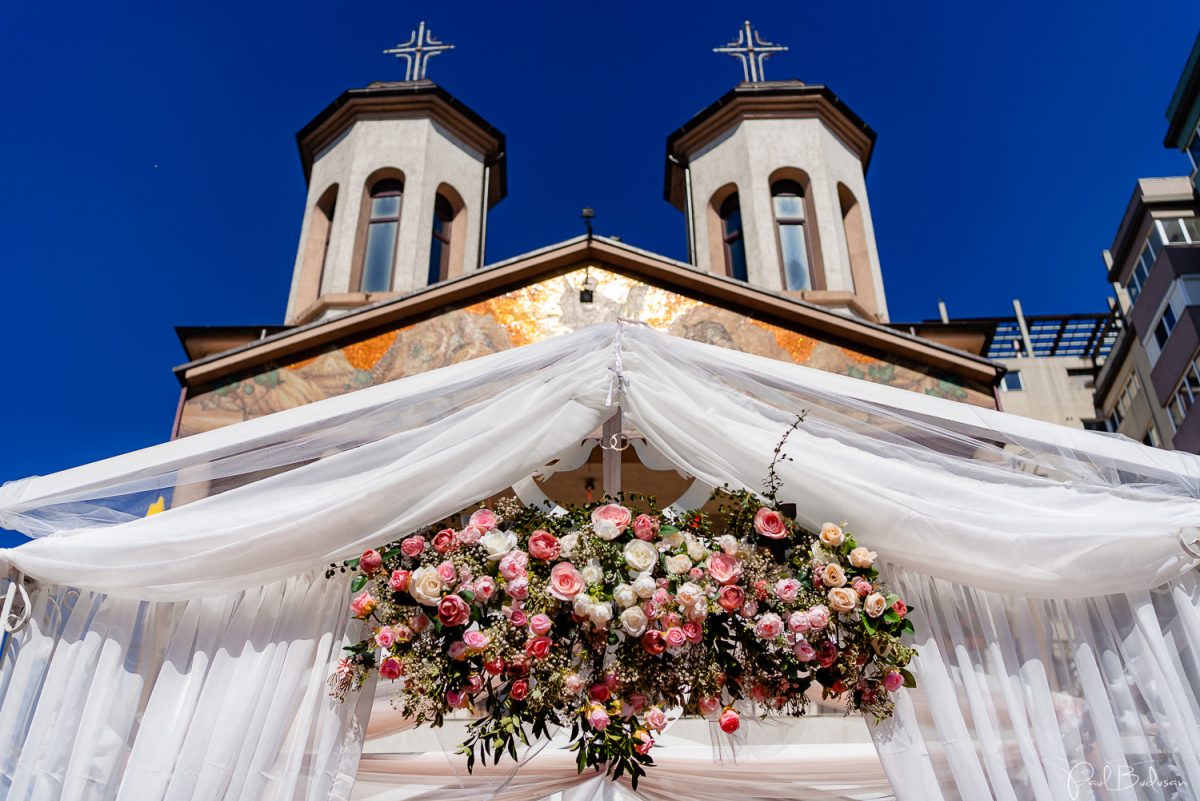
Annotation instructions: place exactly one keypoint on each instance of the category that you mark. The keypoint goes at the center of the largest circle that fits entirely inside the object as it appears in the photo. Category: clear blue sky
(151, 176)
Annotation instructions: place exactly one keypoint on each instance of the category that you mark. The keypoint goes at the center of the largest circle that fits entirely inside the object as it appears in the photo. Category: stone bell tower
(772, 179)
(400, 178)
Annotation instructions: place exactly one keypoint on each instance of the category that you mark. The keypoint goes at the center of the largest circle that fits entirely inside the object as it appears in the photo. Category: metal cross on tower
(752, 50)
(417, 51)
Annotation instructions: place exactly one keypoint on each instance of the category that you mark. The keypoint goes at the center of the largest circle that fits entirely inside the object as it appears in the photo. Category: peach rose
(860, 557)
(770, 524)
(843, 599)
(874, 604)
(644, 741)
(832, 575)
(565, 581)
(724, 568)
(832, 535)
(363, 605)
(656, 718)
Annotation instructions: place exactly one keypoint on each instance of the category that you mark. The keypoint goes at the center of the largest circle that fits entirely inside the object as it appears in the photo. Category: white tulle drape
(981, 511)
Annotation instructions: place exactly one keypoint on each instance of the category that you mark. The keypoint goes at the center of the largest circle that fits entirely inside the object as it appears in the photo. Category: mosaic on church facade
(530, 314)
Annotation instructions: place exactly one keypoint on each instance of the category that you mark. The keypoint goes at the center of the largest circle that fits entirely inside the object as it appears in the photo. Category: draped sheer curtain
(1054, 601)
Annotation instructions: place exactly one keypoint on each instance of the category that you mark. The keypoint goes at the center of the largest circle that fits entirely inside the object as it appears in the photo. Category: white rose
(497, 543)
(624, 595)
(633, 621)
(582, 604)
(689, 594)
(696, 549)
(592, 572)
(640, 555)
(678, 564)
(861, 557)
(644, 586)
(425, 586)
(671, 540)
(567, 544)
(728, 543)
(606, 529)
(600, 614)
(697, 611)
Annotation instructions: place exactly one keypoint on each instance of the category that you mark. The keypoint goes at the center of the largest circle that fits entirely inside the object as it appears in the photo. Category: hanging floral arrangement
(611, 617)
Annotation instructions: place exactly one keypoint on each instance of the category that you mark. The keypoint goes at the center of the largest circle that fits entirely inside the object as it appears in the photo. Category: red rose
(730, 721)
(443, 540)
(494, 666)
(901, 608)
(600, 693)
(453, 611)
(653, 642)
(770, 524)
(391, 668)
(731, 598)
(518, 690)
(370, 561)
(543, 545)
(538, 647)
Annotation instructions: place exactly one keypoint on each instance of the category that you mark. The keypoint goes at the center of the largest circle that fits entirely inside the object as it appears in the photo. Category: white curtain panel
(947, 492)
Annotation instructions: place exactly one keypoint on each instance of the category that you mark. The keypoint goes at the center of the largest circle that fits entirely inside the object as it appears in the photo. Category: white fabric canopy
(979, 510)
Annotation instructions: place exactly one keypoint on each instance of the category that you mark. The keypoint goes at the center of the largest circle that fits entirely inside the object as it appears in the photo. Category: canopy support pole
(612, 443)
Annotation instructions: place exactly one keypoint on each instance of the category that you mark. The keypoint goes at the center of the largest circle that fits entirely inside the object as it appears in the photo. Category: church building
(390, 277)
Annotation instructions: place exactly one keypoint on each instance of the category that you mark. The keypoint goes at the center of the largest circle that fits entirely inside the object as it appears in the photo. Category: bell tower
(400, 178)
(772, 180)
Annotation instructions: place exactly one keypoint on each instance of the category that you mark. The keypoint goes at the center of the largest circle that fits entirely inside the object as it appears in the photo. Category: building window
(1166, 325)
(1186, 394)
(1011, 382)
(1193, 149)
(731, 234)
(787, 200)
(382, 226)
(1151, 438)
(1167, 231)
(439, 248)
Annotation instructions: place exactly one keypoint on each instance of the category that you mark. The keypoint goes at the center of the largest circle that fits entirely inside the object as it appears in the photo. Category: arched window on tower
(730, 213)
(316, 248)
(439, 247)
(383, 223)
(787, 200)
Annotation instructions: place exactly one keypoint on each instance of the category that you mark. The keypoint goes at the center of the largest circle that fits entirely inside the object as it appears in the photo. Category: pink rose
(455, 699)
(645, 527)
(484, 518)
(485, 588)
(457, 650)
(443, 540)
(469, 535)
(724, 568)
(660, 596)
(693, 632)
(573, 683)
(518, 588)
(892, 681)
(420, 622)
(749, 609)
(413, 546)
(901, 608)
(644, 742)
(370, 561)
(385, 637)
(695, 574)
(543, 545)
(861, 586)
(674, 637)
(652, 642)
(518, 690)
(540, 624)
(476, 640)
(798, 622)
(769, 626)
(399, 580)
(474, 683)
(804, 651)
(709, 704)
(656, 719)
(363, 605)
(731, 598)
(818, 617)
(612, 513)
(636, 701)
(403, 633)
(787, 589)
(730, 721)
(447, 572)
(597, 718)
(391, 668)
(517, 618)
(538, 647)
(513, 564)
(453, 611)
(565, 581)
(770, 524)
